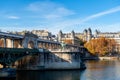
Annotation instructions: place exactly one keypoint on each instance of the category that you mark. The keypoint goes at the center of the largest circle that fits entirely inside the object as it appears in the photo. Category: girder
(10, 55)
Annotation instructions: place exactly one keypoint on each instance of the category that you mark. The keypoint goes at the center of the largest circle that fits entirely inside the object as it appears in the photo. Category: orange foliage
(101, 46)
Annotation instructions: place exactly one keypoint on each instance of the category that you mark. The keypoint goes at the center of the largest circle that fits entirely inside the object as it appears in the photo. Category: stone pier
(52, 61)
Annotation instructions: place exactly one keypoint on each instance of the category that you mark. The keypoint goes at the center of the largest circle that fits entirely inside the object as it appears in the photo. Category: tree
(101, 46)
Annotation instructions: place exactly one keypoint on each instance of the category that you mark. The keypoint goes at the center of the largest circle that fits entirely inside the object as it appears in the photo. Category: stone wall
(53, 61)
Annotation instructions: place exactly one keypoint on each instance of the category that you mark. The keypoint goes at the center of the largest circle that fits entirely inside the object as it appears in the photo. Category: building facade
(87, 35)
(75, 38)
(68, 38)
(42, 34)
(110, 35)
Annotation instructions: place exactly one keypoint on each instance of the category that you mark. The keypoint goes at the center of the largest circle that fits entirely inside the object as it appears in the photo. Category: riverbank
(108, 58)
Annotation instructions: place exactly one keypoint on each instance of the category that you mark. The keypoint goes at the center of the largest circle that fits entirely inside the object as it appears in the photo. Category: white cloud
(13, 17)
(49, 10)
(78, 23)
(42, 6)
(59, 12)
(110, 11)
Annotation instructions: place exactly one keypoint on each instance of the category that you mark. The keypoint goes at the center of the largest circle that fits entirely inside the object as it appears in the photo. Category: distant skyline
(55, 15)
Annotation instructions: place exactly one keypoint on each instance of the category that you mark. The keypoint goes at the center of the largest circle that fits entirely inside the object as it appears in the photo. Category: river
(96, 70)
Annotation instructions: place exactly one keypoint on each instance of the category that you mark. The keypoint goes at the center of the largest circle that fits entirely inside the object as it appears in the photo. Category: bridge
(21, 49)
(10, 55)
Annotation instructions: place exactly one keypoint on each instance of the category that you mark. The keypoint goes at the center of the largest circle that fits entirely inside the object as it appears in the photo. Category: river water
(96, 70)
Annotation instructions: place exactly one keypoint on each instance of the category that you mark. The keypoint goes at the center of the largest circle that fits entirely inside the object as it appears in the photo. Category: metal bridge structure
(14, 47)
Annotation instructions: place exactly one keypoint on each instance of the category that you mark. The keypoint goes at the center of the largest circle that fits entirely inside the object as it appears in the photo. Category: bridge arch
(9, 57)
(30, 41)
(31, 44)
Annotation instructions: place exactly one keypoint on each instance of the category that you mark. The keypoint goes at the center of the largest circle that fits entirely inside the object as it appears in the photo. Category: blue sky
(55, 15)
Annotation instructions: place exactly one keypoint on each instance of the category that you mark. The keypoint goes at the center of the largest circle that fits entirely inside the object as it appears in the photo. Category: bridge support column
(12, 43)
(42, 61)
(39, 45)
(47, 46)
(43, 45)
(20, 44)
(50, 46)
(54, 46)
(35, 44)
(57, 46)
(4, 40)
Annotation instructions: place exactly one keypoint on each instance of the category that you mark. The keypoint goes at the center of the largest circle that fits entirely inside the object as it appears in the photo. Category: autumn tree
(101, 46)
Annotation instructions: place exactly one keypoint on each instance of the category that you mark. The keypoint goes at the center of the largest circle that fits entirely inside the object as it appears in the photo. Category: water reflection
(102, 70)
(48, 75)
(7, 78)
(96, 70)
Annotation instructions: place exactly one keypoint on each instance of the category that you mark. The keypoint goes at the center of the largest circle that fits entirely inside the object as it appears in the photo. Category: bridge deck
(18, 50)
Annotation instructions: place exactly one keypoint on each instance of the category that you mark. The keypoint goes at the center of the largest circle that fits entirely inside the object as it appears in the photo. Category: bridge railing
(10, 35)
(64, 50)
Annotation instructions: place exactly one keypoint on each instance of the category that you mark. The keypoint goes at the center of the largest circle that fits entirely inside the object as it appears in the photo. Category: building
(42, 34)
(75, 38)
(110, 35)
(68, 38)
(87, 35)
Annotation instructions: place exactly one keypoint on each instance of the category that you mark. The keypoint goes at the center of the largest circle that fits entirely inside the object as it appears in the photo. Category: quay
(108, 58)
